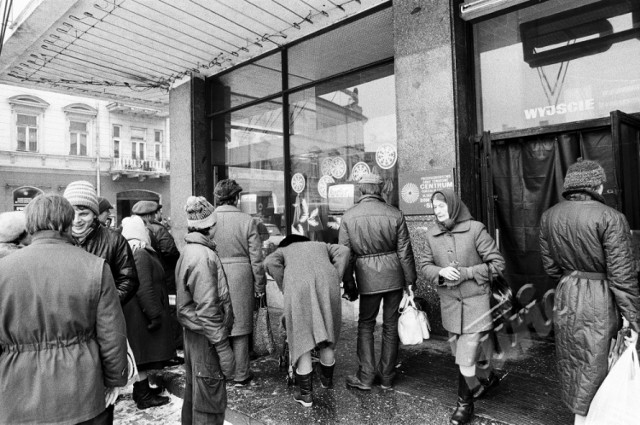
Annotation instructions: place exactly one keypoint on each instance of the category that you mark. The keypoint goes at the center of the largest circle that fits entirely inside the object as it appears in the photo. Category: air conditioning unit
(472, 10)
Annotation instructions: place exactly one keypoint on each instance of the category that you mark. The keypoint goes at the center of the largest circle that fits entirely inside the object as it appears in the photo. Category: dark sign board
(417, 188)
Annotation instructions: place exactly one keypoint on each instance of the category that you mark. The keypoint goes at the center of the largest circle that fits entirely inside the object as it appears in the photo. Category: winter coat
(203, 300)
(240, 250)
(151, 301)
(381, 255)
(465, 306)
(62, 333)
(7, 248)
(587, 236)
(165, 246)
(115, 250)
(309, 275)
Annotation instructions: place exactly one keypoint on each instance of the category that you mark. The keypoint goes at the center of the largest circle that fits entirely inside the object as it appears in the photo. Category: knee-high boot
(464, 408)
(303, 389)
(326, 375)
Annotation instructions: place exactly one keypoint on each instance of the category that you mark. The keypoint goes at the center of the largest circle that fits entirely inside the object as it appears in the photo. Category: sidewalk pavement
(424, 391)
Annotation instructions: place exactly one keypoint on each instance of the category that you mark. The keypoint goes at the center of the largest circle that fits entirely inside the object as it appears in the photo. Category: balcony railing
(138, 166)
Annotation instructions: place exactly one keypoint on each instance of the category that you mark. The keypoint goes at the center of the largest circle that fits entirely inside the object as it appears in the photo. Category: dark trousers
(104, 418)
(205, 395)
(369, 306)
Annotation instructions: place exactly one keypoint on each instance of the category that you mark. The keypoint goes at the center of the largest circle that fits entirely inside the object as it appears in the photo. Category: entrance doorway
(127, 199)
(523, 174)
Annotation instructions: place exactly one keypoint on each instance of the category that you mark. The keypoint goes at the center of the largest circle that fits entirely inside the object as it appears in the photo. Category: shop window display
(340, 130)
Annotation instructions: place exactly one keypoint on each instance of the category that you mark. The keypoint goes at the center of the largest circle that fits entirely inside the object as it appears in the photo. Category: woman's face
(83, 220)
(441, 210)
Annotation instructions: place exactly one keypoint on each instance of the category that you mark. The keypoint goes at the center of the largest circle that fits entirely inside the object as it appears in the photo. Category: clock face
(386, 156)
(322, 185)
(338, 168)
(298, 182)
(359, 170)
(325, 166)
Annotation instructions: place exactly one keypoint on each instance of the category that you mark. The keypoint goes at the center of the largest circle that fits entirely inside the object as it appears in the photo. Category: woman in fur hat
(586, 245)
(147, 314)
(13, 230)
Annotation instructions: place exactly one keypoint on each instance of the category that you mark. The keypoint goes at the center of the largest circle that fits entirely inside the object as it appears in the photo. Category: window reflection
(340, 130)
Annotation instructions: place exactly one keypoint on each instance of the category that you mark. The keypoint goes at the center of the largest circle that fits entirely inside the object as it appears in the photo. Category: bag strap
(407, 301)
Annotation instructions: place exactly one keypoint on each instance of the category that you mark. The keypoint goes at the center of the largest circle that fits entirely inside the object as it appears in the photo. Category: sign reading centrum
(416, 189)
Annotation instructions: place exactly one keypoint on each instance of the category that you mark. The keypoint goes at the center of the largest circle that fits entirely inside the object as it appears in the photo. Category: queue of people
(78, 296)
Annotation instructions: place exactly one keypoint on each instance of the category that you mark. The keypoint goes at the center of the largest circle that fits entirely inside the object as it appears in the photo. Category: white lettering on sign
(559, 109)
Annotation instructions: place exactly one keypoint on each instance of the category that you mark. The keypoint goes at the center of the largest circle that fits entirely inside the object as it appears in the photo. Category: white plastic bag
(424, 324)
(409, 324)
(616, 400)
(132, 368)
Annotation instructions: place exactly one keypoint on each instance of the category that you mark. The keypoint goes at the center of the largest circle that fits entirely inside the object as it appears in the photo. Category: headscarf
(458, 211)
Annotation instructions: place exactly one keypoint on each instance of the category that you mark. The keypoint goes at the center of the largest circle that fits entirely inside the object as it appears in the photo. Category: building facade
(49, 139)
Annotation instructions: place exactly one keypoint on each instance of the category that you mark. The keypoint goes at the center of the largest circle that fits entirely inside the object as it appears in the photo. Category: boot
(144, 398)
(153, 390)
(486, 385)
(326, 375)
(303, 389)
(464, 408)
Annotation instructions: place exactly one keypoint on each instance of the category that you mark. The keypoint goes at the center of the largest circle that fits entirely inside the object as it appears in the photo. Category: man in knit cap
(205, 311)
(13, 229)
(100, 241)
(585, 245)
(382, 260)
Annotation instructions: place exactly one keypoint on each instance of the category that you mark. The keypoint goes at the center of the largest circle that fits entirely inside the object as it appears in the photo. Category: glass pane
(73, 149)
(558, 62)
(22, 138)
(248, 83)
(78, 126)
(116, 131)
(141, 151)
(29, 120)
(116, 149)
(33, 139)
(339, 131)
(254, 148)
(368, 40)
(83, 144)
(133, 150)
(158, 136)
(158, 150)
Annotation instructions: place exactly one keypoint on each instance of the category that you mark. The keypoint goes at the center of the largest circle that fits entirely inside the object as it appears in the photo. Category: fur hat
(226, 189)
(133, 228)
(370, 178)
(104, 204)
(584, 175)
(12, 225)
(145, 207)
(199, 213)
(81, 193)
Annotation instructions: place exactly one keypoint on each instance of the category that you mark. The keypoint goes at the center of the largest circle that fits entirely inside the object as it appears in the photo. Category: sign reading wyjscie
(416, 189)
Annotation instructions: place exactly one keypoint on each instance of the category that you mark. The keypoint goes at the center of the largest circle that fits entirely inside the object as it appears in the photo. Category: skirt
(468, 349)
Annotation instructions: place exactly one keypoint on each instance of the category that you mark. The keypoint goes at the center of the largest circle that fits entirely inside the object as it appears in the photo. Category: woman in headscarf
(456, 260)
(147, 315)
(312, 308)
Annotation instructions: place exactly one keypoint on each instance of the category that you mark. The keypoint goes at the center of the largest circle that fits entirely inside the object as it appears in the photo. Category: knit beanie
(12, 225)
(133, 228)
(584, 174)
(226, 189)
(199, 213)
(82, 194)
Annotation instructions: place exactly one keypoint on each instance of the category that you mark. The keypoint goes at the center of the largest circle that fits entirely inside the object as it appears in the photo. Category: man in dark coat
(63, 336)
(382, 258)
(586, 246)
(100, 241)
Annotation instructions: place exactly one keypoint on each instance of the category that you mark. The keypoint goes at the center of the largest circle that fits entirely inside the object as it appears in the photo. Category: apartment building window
(115, 134)
(78, 138)
(158, 151)
(138, 144)
(27, 129)
(157, 138)
(27, 115)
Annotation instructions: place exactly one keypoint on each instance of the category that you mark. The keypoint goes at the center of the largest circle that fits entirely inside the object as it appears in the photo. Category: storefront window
(254, 152)
(338, 131)
(558, 62)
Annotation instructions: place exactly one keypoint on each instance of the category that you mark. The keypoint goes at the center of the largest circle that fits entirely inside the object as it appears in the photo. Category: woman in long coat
(586, 246)
(456, 260)
(309, 275)
(240, 249)
(147, 315)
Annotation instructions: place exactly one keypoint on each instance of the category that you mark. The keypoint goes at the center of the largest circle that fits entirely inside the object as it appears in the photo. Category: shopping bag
(409, 326)
(421, 305)
(132, 368)
(263, 343)
(617, 347)
(616, 400)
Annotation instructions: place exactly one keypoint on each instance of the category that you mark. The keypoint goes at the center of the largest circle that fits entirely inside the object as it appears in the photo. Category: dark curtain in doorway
(528, 174)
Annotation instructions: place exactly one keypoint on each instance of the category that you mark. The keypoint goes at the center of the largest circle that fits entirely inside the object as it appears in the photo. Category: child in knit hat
(205, 312)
